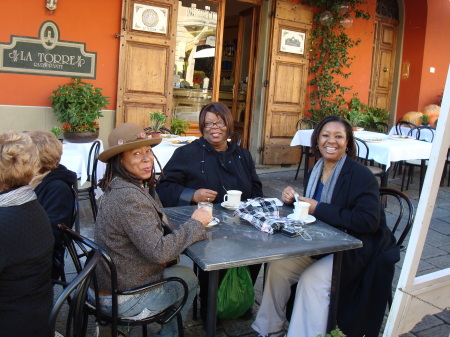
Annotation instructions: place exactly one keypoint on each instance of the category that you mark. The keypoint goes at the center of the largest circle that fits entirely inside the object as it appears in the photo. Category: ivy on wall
(329, 54)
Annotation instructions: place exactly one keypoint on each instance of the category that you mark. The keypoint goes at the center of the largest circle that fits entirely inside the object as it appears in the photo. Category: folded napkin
(263, 214)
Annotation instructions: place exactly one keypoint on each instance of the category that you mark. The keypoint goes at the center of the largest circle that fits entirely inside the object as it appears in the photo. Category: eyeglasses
(219, 124)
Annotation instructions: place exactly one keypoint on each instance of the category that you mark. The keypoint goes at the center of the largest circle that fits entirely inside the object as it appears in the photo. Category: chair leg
(410, 176)
(144, 331)
(180, 325)
(299, 163)
(403, 178)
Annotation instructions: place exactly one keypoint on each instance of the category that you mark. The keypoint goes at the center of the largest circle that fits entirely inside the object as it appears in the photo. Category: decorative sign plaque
(47, 55)
(292, 42)
(150, 18)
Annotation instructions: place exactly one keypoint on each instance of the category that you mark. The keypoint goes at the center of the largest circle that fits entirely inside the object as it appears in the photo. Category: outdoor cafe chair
(75, 293)
(303, 124)
(402, 128)
(88, 193)
(80, 247)
(424, 133)
(361, 146)
(399, 212)
(381, 127)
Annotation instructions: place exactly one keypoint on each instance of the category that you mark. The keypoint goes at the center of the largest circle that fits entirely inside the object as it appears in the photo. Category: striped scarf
(17, 196)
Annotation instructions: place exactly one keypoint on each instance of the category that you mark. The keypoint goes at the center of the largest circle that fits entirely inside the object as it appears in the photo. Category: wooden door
(287, 82)
(244, 71)
(147, 43)
(383, 61)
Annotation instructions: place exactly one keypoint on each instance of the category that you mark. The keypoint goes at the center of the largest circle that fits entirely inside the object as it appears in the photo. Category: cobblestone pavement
(274, 178)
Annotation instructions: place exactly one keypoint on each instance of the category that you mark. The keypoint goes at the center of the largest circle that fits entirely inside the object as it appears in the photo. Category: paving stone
(441, 225)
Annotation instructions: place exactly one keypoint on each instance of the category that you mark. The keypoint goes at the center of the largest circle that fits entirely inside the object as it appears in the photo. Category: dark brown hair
(351, 146)
(220, 110)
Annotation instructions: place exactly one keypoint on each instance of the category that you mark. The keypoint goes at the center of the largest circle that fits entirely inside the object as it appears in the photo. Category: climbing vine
(329, 56)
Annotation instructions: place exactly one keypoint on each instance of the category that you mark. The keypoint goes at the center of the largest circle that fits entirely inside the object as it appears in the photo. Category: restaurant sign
(47, 55)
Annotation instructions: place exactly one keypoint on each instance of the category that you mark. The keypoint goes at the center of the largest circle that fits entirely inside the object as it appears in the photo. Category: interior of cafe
(196, 54)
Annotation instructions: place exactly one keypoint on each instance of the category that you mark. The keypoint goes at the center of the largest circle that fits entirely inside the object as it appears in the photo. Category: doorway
(215, 60)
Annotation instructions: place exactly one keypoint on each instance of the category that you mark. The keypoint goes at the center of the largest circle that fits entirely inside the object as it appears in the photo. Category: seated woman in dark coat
(344, 194)
(26, 242)
(53, 187)
(205, 169)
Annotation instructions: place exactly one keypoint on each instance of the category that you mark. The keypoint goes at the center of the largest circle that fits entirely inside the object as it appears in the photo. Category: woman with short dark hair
(344, 194)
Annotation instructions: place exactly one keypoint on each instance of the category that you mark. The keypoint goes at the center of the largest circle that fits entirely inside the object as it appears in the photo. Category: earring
(346, 149)
(317, 146)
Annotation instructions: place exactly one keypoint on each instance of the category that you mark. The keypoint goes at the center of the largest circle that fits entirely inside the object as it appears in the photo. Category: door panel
(146, 49)
(287, 82)
(383, 59)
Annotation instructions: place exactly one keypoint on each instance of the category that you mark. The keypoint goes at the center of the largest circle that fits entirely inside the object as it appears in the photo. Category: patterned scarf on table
(17, 196)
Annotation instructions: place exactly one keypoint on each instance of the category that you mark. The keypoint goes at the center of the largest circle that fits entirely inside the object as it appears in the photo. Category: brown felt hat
(125, 137)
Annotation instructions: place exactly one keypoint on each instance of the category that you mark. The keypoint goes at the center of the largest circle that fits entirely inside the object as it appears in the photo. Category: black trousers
(204, 284)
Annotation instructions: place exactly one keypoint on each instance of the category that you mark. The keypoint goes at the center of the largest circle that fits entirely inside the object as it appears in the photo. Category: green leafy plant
(56, 130)
(329, 56)
(179, 126)
(334, 333)
(362, 115)
(78, 105)
(157, 120)
(424, 119)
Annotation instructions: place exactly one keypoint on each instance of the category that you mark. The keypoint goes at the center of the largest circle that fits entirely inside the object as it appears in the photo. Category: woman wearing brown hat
(129, 227)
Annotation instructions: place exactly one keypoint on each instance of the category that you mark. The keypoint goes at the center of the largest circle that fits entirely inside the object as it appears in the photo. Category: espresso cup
(301, 210)
(232, 198)
(207, 205)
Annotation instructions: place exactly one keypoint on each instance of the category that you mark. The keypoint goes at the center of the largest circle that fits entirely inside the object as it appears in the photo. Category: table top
(384, 151)
(235, 242)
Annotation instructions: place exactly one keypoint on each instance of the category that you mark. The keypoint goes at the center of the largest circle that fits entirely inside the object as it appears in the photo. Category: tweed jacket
(130, 229)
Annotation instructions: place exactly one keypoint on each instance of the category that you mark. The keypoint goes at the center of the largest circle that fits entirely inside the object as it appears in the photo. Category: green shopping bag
(236, 294)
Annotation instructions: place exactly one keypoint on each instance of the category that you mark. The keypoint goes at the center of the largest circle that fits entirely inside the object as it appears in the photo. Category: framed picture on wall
(292, 42)
(150, 18)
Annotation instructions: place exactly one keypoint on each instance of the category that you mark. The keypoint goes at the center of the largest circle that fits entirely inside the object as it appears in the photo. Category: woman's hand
(202, 215)
(203, 194)
(313, 203)
(288, 195)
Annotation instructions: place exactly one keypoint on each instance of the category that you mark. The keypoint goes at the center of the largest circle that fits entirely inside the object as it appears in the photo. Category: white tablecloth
(384, 152)
(165, 150)
(75, 157)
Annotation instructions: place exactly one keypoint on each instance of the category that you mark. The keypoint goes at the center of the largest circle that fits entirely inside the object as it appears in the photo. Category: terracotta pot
(156, 135)
(81, 137)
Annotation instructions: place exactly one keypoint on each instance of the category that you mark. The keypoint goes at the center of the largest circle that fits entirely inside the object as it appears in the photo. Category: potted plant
(56, 130)
(424, 119)
(78, 105)
(179, 126)
(157, 120)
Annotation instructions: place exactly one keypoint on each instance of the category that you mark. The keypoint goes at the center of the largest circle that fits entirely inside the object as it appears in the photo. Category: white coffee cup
(232, 198)
(301, 210)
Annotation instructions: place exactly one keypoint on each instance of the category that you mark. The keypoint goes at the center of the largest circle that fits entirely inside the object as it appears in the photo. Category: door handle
(385, 69)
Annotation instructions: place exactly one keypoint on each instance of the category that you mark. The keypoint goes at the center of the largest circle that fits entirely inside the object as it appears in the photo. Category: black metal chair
(403, 128)
(364, 155)
(378, 127)
(399, 216)
(303, 124)
(79, 247)
(236, 138)
(75, 293)
(88, 193)
(162, 130)
(424, 133)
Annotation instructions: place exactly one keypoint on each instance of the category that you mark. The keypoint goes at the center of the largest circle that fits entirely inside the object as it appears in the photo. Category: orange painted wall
(436, 53)
(359, 80)
(91, 22)
(413, 52)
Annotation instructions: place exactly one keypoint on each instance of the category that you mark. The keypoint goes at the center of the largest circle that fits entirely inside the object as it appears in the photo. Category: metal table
(235, 242)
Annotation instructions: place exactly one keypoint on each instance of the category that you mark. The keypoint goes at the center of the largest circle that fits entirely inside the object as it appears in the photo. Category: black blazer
(367, 272)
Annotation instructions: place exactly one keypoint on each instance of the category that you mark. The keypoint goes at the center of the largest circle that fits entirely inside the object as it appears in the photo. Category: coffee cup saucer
(308, 220)
(229, 207)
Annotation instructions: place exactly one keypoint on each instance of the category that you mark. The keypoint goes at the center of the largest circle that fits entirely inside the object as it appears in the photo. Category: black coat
(55, 195)
(367, 272)
(198, 165)
(26, 293)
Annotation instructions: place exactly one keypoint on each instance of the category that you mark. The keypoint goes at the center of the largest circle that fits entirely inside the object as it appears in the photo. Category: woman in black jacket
(205, 169)
(344, 194)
